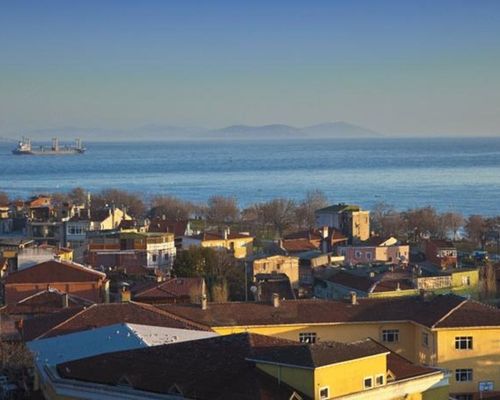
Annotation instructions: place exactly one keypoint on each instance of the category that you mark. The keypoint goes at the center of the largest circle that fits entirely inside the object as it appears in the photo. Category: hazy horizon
(403, 69)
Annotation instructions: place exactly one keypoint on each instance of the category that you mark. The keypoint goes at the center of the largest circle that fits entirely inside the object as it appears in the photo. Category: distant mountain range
(164, 132)
(325, 130)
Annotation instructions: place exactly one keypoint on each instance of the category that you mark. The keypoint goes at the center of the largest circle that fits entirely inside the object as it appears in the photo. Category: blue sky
(399, 67)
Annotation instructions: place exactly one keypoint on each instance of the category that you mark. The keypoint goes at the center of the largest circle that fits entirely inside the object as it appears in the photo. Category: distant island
(333, 130)
(325, 130)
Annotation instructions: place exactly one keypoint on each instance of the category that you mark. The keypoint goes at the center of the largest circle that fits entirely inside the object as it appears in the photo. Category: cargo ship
(24, 147)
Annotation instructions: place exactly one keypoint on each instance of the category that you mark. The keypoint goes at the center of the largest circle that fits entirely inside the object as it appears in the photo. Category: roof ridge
(81, 267)
(493, 308)
(175, 317)
(84, 309)
(449, 313)
(53, 290)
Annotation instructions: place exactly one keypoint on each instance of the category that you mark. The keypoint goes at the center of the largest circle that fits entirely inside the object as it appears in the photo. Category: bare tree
(133, 202)
(487, 284)
(450, 222)
(222, 209)
(386, 221)
(476, 228)
(77, 195)
(171, 207)
(279, 213)
(422, 221)
(314, 200)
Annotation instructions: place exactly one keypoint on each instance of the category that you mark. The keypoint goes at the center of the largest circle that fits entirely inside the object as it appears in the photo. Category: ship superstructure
(25, 147)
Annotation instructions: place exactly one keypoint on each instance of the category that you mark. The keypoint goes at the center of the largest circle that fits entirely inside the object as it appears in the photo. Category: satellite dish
(253, 289)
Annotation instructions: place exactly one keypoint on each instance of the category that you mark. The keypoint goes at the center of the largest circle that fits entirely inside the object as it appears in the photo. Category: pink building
(376, 250)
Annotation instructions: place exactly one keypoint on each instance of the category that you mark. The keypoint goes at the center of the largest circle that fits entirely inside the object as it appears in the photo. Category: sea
(450, 174)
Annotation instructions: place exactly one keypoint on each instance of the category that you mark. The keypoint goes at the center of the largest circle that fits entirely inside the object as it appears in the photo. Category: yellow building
(457, 280)
(278, 265)
(239, 244)
(359, 370)
(445, 331)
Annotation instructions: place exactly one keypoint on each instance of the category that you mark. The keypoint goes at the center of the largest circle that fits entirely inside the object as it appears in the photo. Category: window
(368, 256)
(390, 335)
(463, 342)
(154, 257)
(379, 380)
(465, 280)
(425, 339)
(464, 397)
(357, 254)
(368, 382)
(324, 393)
(307, 337)
(463, 375)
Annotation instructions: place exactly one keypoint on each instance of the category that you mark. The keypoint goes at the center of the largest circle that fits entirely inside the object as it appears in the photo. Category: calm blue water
(450, 174)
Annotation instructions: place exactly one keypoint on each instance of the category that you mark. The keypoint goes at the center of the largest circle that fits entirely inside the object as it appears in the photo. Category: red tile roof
(40, 202)
(53, 271)
(315, 234)
(297, 245)
(357, 282)
(471, 313)
(428, 312)
(171, 289)
(45, 302)
(200, 369)
(320, 354)
(97, 315)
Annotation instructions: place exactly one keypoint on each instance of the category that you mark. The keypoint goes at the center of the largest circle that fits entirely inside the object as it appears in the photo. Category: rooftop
(298, 245)
(172, 288)
(434, 313)
(53, 271)
(207, 236)
(341, 207)
(320, 354)
(198, 369)
(178, 228)
(383, 283)
(201, 369)
(117, 337)
(77, 319)
(45, 302)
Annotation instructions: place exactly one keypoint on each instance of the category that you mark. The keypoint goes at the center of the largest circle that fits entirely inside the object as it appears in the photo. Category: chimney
(425, 295)
(276, 300)
(398, 286)
(324, 232)
(227, 232)
(65, 300)
(88, 205)
(125, 295)
(204, 302)
(163, 217)
(354, 298)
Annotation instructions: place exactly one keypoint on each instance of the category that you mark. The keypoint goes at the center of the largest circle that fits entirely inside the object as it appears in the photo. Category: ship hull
(48, 152)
